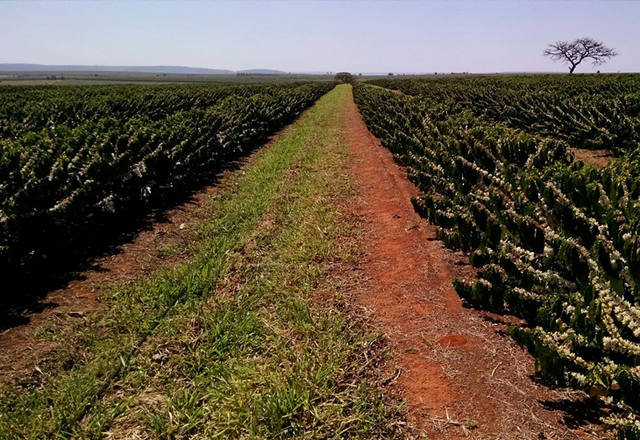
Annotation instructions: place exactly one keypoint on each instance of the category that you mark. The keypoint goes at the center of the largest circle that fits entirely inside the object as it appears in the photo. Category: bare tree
(573, 53)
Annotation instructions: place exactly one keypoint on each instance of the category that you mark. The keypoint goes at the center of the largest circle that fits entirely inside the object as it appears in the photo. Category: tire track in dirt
(461, 377)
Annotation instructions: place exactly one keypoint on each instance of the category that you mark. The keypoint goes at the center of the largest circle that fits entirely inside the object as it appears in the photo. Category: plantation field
(282, 277)
(74, 160)
(38, 78)
(555, 240)
(248, 338)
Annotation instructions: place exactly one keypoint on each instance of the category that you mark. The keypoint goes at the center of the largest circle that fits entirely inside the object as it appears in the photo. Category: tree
(575, 52)
(344, 77)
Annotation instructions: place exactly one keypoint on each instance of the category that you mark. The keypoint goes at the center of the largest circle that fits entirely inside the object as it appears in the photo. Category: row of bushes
(555, 242)
(61, 186)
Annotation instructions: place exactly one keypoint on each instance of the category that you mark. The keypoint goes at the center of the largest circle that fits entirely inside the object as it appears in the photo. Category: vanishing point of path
(253, 313)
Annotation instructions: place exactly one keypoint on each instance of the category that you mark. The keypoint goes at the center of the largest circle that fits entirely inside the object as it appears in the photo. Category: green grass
(251, 338)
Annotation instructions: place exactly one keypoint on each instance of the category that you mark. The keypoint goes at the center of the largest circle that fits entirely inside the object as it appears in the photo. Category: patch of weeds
(470, 424)
(158, 424)
(169, 250)
(46, 333)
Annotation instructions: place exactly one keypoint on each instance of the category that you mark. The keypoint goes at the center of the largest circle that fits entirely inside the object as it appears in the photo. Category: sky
(317, 36)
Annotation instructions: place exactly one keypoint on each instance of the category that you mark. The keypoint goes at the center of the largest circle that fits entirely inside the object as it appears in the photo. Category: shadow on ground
(578, 413)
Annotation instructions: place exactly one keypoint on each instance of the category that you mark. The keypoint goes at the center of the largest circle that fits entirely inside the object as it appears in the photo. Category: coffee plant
(75, 160)
(556, 241)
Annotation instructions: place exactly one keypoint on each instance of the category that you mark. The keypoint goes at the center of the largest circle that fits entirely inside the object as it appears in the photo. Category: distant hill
(262, 72)
(141, 69)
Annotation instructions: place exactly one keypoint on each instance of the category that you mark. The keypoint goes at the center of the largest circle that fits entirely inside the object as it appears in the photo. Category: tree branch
(579, 50)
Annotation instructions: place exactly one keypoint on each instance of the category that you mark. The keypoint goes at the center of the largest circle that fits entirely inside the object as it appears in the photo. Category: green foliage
(344, 77)
(95, 156)
(590, 111)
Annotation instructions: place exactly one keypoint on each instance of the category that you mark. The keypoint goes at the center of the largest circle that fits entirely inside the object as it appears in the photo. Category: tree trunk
(572, 68)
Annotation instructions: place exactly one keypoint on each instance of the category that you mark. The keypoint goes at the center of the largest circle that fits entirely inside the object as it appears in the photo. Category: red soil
(461, 376)
(599, 158)
(449, 340)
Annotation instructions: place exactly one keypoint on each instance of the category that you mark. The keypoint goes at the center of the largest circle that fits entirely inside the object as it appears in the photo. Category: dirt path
(460, 375)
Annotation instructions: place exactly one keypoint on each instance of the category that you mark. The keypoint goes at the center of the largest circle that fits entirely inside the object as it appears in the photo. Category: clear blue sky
(358, 36)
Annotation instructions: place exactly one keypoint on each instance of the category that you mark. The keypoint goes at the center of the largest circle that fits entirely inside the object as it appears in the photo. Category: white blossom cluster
(549, 279)
(62, 204)
(484, 173)
(617, 421)
(526, 294)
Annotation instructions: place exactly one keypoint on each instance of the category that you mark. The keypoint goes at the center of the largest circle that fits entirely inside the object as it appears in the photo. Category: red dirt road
(460, 376)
